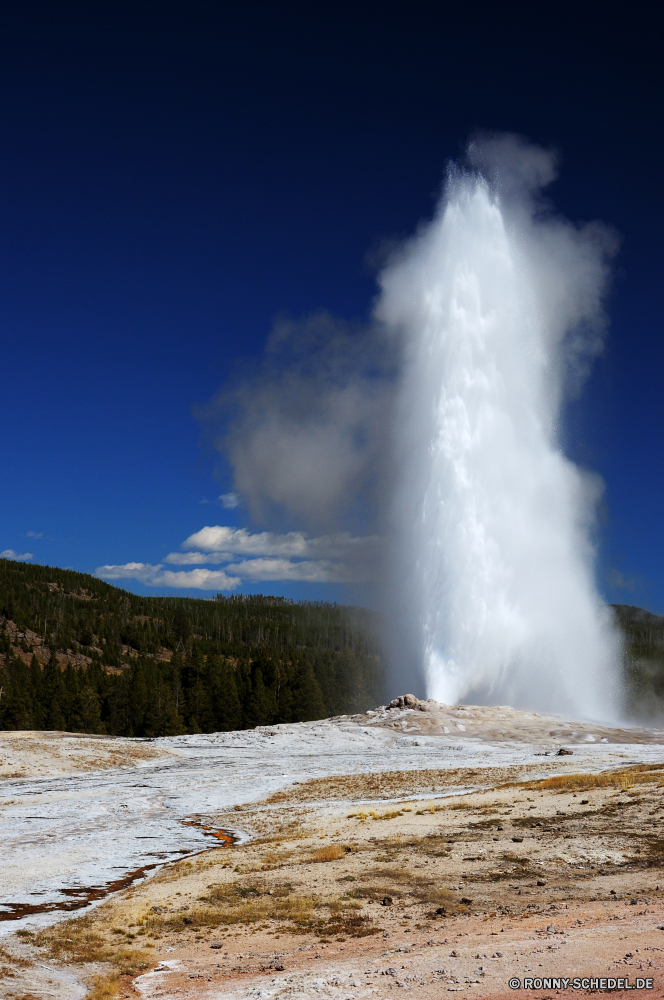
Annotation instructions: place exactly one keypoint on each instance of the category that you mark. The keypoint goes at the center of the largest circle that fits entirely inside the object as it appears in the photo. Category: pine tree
(138, 700)
(86, 716)
(308, 701)
(228, 707)
(257, 711)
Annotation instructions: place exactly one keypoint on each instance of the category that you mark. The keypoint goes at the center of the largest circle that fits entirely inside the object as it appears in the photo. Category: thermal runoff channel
(498, 304)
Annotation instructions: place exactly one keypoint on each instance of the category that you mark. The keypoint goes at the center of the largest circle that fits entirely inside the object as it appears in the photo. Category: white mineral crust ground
(65, 832)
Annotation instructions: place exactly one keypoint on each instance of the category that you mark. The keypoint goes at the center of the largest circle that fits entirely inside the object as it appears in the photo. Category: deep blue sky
(174, 176)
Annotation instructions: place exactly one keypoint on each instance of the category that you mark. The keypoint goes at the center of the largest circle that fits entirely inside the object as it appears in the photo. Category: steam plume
(437, 425)
(498, 306)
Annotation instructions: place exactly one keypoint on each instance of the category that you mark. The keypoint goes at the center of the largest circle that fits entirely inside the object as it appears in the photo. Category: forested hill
(81, 655)
(643, 662)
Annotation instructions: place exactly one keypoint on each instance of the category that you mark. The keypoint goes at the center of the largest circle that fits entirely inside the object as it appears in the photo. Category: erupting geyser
(498, 302)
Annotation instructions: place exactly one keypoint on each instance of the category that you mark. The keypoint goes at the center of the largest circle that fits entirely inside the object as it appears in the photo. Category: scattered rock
(386, 901)
(563, 752)
(216, 944)
(517, 840)
(404, 701)
(541, 881)
(466, 901)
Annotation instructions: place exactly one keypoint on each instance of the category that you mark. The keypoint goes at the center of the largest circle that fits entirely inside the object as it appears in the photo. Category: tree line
(80, 655)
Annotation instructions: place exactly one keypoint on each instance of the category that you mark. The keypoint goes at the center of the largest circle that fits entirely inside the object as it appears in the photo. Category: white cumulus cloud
(230, 500)
(264, 556)
(293, 544)
(157, 576)
(308, 571)
(16, 556)
(199, 579)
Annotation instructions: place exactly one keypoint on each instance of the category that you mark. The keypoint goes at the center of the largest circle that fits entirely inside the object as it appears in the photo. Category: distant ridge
(627, 613)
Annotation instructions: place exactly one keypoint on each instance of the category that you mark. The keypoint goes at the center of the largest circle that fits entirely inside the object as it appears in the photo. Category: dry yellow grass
(388, 814)
(105, 988)
(622, 779)
(82, 940)
(238, 904)
(387, 784)
(331, 852)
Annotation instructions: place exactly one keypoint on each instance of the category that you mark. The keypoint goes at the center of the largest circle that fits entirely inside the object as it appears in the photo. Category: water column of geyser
(498, 304)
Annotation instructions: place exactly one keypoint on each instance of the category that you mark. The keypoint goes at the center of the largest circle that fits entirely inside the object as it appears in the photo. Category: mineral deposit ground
(421, 848)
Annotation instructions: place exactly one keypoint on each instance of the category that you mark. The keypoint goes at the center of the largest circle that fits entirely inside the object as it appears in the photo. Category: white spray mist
(498, 304)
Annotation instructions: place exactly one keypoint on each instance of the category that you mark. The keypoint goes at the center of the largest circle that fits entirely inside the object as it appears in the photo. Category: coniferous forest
(643, 664)
(79, 655)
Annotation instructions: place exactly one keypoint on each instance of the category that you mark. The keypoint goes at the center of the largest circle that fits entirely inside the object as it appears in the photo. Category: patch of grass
(8, 957)
(385, 784)
(240, 904)
(623, 779)
(390, 814)
(105, 988)
(374, 891)
(394, 844)
(344, 922)
(349, 926)
(525, 822)
(331, 852)
(74, 941)
(77, 941)
(108, 987)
